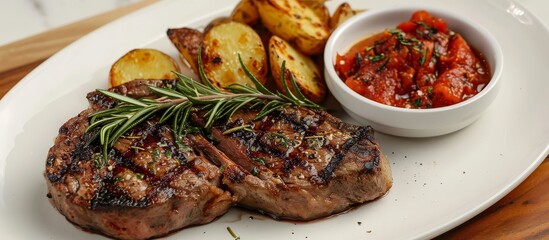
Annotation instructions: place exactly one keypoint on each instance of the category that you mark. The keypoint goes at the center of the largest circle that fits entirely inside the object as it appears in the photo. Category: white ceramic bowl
(401, 121)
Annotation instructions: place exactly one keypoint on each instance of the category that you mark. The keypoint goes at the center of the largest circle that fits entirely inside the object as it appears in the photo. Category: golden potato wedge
(245, 12)
(320, 9)
(323, 13)
(217, 21)
(305, 72)
(342, 13)
(294, 22)
(222, 45)
(142, 63)
(187, 41)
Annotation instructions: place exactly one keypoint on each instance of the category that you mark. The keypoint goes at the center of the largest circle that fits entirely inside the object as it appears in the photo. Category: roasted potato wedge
(187, 41)
(320, 9)
(245, 12)
(303, 69)
(342, 13)
(216, 22)
(323, 13)
(294, 22)
(222, 46)
(142, 63)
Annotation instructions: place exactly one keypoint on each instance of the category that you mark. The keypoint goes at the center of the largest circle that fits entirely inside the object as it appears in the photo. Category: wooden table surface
(522, 214)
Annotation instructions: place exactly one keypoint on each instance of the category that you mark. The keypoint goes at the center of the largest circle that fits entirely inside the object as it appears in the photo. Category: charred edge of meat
(83, 151)
(134, 89)
(109, 196)
(100, 100)
(234, 173)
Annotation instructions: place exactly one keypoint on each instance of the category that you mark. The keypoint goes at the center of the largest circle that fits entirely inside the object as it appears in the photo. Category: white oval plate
(438, 182)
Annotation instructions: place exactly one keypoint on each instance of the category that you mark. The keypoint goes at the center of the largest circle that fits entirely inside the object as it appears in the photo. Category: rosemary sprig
(175, 104)
(237, 128)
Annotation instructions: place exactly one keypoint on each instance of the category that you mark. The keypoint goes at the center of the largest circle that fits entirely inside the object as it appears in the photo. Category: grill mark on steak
(262, 142)
(350, 145)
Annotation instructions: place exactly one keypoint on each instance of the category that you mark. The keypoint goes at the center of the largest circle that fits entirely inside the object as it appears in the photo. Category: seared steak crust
(149, 187)
(299, 163)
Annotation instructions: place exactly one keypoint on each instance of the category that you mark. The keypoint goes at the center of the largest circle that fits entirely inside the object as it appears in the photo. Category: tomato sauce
(419, 64)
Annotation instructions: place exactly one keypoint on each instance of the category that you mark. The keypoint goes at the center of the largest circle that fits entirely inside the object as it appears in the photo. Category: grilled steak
(295, 163)
(151, 185)
(299, 163)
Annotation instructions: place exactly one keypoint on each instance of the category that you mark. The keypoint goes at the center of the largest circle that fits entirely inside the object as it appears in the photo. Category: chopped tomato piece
(344, 65)
(421, 16)
(440, 25)
(357, 86)
(407, 26)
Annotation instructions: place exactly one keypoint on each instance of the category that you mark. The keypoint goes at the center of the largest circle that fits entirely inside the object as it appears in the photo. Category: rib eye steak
(150, 187)
(295, 163)
(299, 163)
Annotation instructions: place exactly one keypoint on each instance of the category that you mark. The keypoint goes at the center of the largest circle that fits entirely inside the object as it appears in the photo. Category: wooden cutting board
(522, 214)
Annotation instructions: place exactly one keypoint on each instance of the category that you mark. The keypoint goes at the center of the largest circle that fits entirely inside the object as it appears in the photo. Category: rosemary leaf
(232, 110)
(291, 96)
(300, 95)
(241, 127)
(270, 107)
(167, 92)
(201, 70)
(169, 113)
(95, 124)
(136, 119)
(182, 124)
(258, 84)
(122, 98)
(239, 88)
(212, 114)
